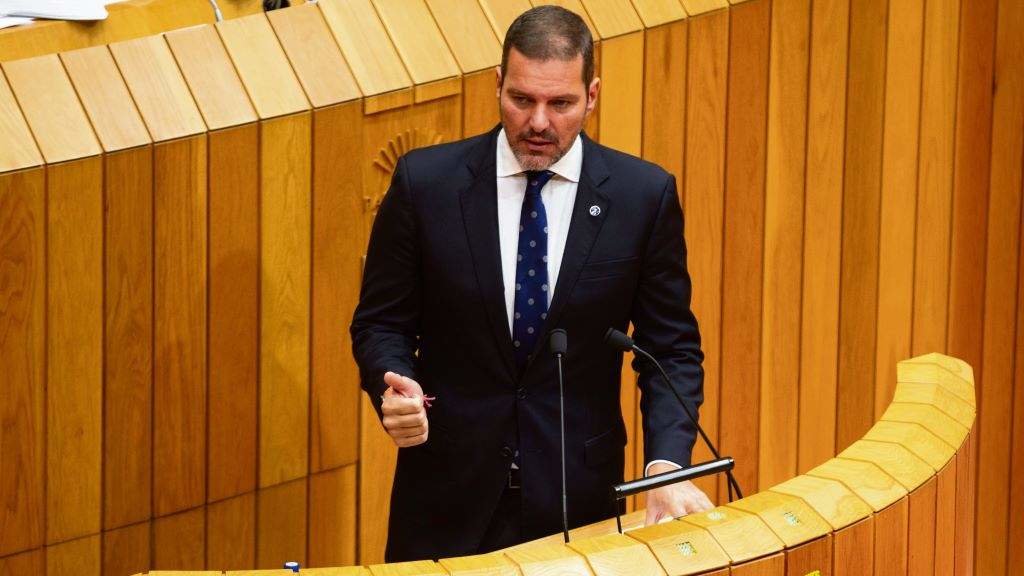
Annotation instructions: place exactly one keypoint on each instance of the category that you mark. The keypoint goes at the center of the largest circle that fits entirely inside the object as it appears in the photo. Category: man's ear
(592, 92)
(497, 75)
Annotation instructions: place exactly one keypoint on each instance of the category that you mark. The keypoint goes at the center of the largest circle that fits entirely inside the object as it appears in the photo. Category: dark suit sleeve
(665, 326)
(386, 321)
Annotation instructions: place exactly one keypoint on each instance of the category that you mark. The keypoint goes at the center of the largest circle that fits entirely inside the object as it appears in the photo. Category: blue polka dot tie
(531, 302)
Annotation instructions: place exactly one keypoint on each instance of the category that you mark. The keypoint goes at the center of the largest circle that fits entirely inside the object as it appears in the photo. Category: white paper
(55, 9)
(8, 21)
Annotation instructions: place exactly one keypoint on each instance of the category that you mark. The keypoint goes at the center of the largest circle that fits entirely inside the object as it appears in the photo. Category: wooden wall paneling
(774, 565)
(966, 480)
(655, 13)
(23, 355)
(285, 279)
(281, 523)
(747, 118)
(18, 149)
(74, 352)
(338, 246)
(126, 550)
(622, 92)
(783, 241)
(128, 355)
(156, 86)
(592, 124)
(945, 518)
(314, 55)
(211, 77)
(105, 98)
(386, 136)
(632, 418)
(51, 108)
(180, 314)
(375, 63)
(501, 13)
(613, 18)
(479, 103)
(853, 552)
(971, 172)
(1001, 285)
(935, 175)
(262, 66)
(465, 28)
(814, 557)
(664, 127)
(574, 6)
(823, 207)
(332, 517)
(423, 49)
(233, 319)
(703, 195)
(231, 533)
(1015, 541)
(31, 562)
(891, 540)
(861, 199)
(79, 557)
(921, 529)
(697, 7)
(179, 541)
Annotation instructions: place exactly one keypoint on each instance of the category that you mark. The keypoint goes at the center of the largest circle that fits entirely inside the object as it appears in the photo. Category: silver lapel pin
(595, 210)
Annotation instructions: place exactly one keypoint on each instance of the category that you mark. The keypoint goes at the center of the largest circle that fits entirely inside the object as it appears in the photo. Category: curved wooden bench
(884, 504)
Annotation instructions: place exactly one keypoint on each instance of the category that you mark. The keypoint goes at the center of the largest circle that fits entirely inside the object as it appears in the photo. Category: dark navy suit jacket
(432, 308)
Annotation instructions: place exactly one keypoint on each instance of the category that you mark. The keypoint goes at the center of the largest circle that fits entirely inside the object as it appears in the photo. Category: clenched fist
(404, 415)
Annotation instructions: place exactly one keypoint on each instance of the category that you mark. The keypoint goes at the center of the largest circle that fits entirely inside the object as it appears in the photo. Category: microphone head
(558, 341)
(618, 340)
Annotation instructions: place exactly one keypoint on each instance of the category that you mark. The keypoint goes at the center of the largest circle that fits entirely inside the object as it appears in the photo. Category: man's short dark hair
(550, 32)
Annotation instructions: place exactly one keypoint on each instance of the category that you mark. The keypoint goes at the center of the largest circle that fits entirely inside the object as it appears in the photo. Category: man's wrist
(659, 466)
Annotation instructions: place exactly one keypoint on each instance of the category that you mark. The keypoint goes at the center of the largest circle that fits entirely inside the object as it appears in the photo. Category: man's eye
(560, 103)
(519, 99)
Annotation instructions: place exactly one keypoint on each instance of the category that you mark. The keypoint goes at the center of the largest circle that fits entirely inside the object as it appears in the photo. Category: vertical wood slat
(128, 355)
(338, 245)
(281, 524)
(231, 533)
(285, 238)
(995, 412)
(935, 176)
(921, 529)
(332, 517)
(895, 315)
(1015, 540)
(23, 290)
(622, 72)
(74, 352)
(180, 312)
(853, 551)
(79, 557)
(126, 550)
(891, 539)
(179, 540)
(479, 104)
(233, 320)
(744, 239)
(823, 206)
(945, 519)
(31, 562)
(859, 269)
(783, 240)
(703, 202)
(664, 127)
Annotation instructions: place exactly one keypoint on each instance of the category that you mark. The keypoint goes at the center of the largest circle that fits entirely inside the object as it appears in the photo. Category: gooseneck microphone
(558, 343)
(621, 341)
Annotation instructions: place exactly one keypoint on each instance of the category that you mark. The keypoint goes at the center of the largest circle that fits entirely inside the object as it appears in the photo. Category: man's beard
(534, 162)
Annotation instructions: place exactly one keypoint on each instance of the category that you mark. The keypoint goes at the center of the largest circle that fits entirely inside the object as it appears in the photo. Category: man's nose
(539, 119)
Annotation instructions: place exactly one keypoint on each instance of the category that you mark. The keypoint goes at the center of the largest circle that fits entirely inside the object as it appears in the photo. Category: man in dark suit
(480, 248)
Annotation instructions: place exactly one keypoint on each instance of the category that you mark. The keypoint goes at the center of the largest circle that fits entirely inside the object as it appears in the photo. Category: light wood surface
(419, 41)
(53, 112)
(17, 148)
(658, 12)
(894, 459)
(613, 18)
(698, 7)
(418, 568)
(916, 438)
(501, 14)
(865, 479)
(547, 560)
(493, 564)
(231, 532)
(934, 420)
(616, 554)
(467, 32)
(364, 42)
(211, 77)
(156, 85)
(262, 66)
(742, 535)
(314, 55)
(789, 517)
(74, 352)
(280, 531)
(938, 396)
(106, 100)
(832, 500)
(682, 548)
(622, 77)
(332, 517)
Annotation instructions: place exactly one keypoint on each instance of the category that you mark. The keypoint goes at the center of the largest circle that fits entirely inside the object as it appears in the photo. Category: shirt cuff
(653, 462)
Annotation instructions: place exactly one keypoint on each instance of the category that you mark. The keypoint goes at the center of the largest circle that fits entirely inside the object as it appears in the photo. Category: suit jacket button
(507, 452)
(521, 393)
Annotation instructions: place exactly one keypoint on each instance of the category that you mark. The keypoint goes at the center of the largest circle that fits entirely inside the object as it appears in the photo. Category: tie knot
(536, 179)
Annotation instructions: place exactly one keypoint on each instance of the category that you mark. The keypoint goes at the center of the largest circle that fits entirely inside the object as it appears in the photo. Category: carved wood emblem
(387, 160)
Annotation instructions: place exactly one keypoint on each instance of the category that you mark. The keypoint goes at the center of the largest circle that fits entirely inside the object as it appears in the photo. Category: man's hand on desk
(404, 415)
(673, 500)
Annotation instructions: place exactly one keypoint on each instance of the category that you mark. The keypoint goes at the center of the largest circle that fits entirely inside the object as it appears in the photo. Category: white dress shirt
(558, 196)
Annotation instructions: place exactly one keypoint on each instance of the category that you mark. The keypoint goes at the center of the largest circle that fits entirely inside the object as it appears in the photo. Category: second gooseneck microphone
(621, 341)
(558, 342)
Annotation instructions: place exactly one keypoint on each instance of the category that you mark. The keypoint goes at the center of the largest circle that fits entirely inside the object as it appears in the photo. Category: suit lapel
(480, 214)
(588, 215)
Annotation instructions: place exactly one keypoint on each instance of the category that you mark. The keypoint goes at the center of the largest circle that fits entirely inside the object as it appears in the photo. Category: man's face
(543, 107)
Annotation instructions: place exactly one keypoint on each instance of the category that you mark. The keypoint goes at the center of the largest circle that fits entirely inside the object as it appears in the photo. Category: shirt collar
(568, 166)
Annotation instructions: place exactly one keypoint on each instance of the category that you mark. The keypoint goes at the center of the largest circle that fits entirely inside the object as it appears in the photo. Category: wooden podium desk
(887, 504)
